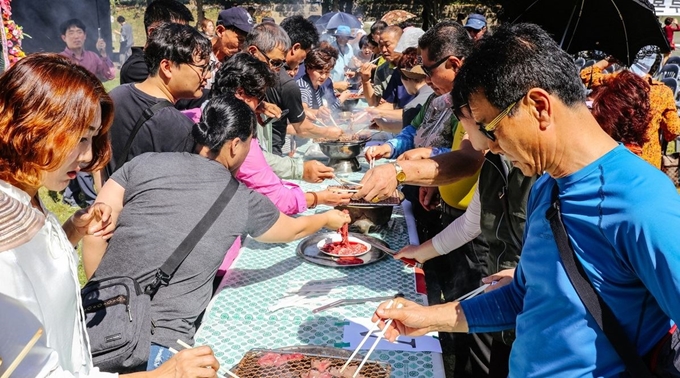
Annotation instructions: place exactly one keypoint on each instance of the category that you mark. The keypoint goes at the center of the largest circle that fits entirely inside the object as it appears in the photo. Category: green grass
(134, 15)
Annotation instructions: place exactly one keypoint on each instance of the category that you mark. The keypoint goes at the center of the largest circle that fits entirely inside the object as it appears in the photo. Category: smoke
(41, 19)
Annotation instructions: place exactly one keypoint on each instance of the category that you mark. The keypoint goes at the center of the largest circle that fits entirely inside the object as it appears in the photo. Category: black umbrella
(618, 27)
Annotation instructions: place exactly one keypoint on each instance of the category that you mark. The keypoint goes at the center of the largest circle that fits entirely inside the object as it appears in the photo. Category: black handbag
(118, 309)
(663, 360)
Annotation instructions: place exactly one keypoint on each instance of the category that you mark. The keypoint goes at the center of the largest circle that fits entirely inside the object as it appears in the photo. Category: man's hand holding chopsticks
(415, 320)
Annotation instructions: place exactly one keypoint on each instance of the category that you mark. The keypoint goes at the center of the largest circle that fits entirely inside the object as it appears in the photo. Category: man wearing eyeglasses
(269, 43)
(175, 71)
(619, 213)
(443, 49)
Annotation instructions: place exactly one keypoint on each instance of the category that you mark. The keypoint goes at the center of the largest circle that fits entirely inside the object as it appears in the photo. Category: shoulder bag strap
(165, 272)
(594, 304)
(148, 113)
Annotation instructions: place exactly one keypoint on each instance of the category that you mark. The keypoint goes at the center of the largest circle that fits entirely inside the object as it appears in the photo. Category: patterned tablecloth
(238, 318)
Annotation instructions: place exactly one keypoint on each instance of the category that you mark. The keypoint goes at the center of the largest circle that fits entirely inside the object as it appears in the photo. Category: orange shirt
(662, 106)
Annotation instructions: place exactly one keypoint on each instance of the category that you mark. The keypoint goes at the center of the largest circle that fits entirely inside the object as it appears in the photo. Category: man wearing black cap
(233, 25)
(476, 26)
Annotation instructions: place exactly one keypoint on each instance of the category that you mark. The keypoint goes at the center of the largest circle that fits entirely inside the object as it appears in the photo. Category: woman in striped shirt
(316, 85)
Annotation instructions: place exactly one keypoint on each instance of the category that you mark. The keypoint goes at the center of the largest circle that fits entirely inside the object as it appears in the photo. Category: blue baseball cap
(237, 17)
(343, 31)
(475, 21)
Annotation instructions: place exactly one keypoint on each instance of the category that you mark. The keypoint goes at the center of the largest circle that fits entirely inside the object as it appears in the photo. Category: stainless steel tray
(307, 249)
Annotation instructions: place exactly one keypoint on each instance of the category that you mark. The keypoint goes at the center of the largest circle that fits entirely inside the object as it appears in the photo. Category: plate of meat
(312, 250)
(300, 362)
(343, 245)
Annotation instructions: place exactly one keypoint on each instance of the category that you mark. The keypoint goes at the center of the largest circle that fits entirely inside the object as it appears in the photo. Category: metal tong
(392, 252)
(345, 301)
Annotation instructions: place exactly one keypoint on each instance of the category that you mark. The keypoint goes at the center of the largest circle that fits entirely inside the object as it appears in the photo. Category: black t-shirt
(135, 70)
(168, 130)
(286, 95)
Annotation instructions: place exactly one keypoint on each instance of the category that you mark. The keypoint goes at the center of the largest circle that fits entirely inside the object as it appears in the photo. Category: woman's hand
(341, 86)
(344, 96)
(324, 113)
(378, 152)
(196, 362)
(501, 279)
(420, 253)
(335, 219)
(95, 221)
(416, 154)
(333, 132)
(333, 198)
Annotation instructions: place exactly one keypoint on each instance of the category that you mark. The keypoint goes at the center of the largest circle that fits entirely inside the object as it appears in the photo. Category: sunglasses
(273, 63)
(488, 129)
(429, 69)
(205, 68)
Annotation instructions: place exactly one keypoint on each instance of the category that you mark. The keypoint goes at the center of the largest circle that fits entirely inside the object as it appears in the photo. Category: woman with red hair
(621, 106)
(54, 122)
(664, 119)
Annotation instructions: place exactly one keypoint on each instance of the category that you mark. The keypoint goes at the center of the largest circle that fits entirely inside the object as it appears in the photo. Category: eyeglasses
(205, 68)
(489, 129)
(429, 69)
(273, 63)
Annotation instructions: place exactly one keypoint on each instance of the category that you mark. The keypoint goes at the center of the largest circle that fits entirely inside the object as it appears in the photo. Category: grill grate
(249, 367)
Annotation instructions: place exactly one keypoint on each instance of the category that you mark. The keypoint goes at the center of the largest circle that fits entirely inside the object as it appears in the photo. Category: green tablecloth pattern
(238, 320)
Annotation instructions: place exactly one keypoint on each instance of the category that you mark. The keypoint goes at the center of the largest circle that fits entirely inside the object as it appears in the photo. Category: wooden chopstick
(187, 346)
(332, 120)
(24, 352)
(375, 344)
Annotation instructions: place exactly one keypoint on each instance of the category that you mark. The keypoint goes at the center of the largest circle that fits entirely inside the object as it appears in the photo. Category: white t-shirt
(42, 275)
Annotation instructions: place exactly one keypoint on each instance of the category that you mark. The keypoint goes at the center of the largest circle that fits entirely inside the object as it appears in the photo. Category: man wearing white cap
(345, 53)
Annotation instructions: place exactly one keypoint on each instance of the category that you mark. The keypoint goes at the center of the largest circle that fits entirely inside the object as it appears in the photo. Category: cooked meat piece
(268, 359)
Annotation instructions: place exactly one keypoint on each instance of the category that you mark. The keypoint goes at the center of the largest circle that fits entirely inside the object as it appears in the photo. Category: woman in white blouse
(54, 121)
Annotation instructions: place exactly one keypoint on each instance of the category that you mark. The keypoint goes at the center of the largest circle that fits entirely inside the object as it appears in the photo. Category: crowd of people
(496, 135)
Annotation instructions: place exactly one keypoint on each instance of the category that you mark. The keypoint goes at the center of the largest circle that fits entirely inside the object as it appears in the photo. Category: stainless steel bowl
(342, 150)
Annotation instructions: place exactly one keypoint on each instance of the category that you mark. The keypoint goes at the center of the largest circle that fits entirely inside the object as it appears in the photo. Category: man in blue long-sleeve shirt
(620, 212)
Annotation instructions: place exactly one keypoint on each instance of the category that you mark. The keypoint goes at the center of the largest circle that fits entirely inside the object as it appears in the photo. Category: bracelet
(316, 200)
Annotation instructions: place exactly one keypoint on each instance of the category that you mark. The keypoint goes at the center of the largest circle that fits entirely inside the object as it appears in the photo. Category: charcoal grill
(249, 367)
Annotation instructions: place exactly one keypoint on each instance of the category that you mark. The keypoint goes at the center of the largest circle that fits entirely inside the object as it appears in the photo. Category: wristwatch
(401, 175)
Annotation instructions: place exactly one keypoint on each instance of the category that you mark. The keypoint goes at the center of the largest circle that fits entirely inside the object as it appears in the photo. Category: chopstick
(473, 293)
(24, 352)
(350, 182)
(363, 341)
(224, 372)
(332, 120)
(375, 344)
